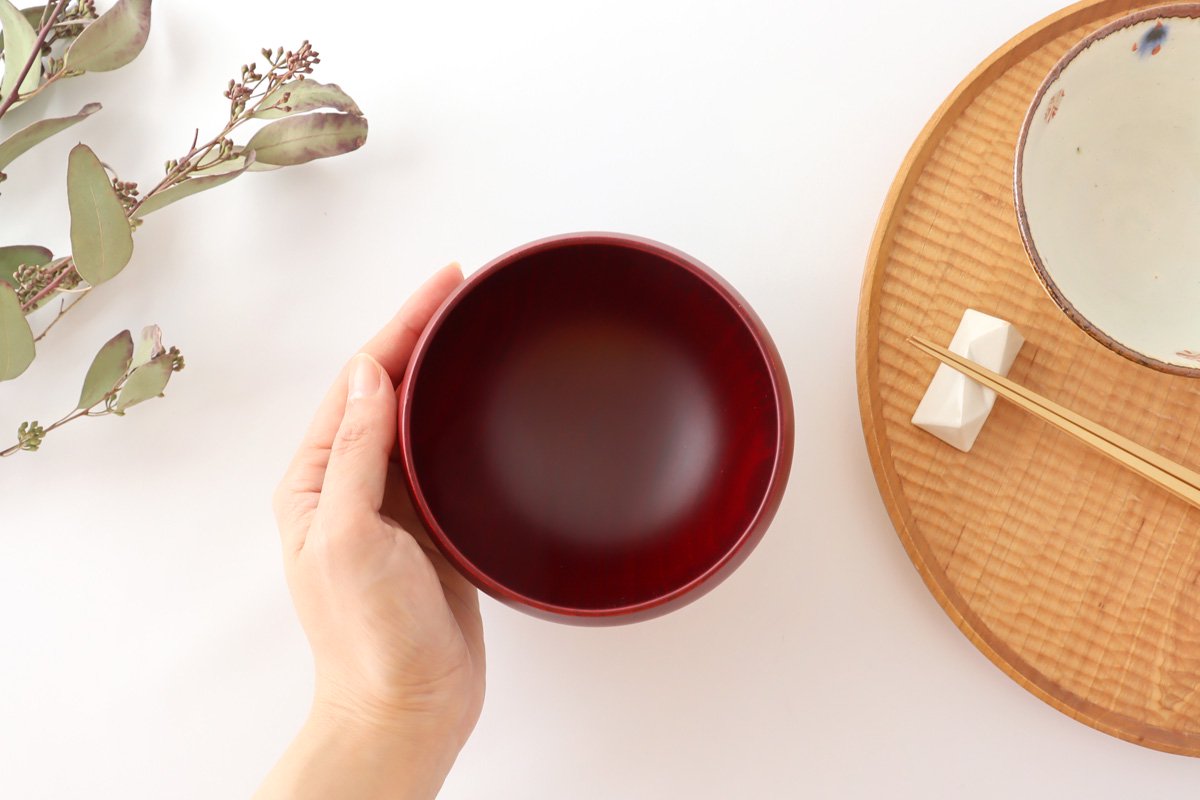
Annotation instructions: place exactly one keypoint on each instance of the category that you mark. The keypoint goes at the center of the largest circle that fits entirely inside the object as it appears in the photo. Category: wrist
(432, 721)
(418, 731)
(421, 745)
(337, 754)
(340, 755)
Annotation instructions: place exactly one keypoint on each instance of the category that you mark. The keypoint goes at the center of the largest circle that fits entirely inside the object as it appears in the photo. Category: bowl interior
(593, 426)
(1108, 186)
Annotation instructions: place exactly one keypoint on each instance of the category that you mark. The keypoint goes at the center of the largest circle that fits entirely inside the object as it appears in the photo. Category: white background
(147, 643)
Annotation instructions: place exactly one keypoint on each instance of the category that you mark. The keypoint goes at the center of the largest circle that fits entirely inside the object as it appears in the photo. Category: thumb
(358, 460)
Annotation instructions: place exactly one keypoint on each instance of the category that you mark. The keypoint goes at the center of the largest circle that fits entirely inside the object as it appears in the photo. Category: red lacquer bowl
(595, 428)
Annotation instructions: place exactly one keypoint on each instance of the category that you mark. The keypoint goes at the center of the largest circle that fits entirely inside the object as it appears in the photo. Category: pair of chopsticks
(1175, 478)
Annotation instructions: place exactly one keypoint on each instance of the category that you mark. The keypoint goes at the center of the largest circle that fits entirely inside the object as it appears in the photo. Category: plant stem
(196, 155)
(74, 415)
(186, 165)
(71, 23)
(50, 81)
(62, 310)
(33, 56)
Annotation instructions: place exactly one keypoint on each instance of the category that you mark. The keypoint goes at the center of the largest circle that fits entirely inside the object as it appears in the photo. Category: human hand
(395, 631)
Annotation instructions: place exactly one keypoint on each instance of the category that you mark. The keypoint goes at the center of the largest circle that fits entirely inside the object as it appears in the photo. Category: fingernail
(364, 377)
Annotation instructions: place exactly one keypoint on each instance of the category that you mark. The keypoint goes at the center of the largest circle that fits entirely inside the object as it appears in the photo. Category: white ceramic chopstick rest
(955, 407)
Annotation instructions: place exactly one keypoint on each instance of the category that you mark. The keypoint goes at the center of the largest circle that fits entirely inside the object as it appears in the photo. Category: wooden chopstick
(1175, 478)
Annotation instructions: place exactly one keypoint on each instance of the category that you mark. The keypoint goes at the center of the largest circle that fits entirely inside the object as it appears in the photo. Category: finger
(358, 459)
(391, 347)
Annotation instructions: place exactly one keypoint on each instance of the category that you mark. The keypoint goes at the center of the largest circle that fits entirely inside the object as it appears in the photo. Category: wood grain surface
(1078, 578)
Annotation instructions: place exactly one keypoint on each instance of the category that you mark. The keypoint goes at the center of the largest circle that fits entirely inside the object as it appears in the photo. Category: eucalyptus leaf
(149, 346)
(113, 40)
(214, 167)
(19, 38)
(15, 255)
(234, 164)
(211, 158)
(16, 339)
(305, 95)
(193, 185)
(34, 15)
(145, 382)
(298, 140)
(258, 166)
(101, 240)
(15, 146)
(107, 369)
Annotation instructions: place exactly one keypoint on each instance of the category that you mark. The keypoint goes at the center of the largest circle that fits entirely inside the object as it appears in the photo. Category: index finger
(391, 347)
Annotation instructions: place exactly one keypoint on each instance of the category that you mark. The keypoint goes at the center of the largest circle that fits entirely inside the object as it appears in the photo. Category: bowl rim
(732, 555)
(1170, 11)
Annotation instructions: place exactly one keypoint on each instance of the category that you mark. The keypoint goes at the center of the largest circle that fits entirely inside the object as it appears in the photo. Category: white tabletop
(149, 646)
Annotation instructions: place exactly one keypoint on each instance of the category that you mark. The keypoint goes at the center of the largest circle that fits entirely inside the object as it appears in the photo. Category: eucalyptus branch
(30, 434)
(283, 68)
(122, 375)
(106, 210)
(34, 56)
(62, 310)
(50, 80)
(265, 89)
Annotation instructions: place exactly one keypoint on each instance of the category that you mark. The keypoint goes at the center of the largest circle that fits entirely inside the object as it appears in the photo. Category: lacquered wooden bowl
(595, 428)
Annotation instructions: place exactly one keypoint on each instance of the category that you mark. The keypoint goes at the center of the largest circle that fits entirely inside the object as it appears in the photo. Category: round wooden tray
(1078, 578)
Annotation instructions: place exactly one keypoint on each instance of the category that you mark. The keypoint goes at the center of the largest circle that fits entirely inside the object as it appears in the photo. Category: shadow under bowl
(595, 428)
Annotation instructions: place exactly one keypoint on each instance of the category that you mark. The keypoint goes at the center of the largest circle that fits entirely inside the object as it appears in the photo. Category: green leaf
(234, 164)
(34, 15)
(16, 339)
(259, 166)
(305, 95)
(107, 369)
(213, 163)
(19, 38)
(297, 140)
(191, 186)
(113, 40)
(15, 146)
(149, 346)
(145, 382)
(214, 167)
(15, 255)
(101, 240)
